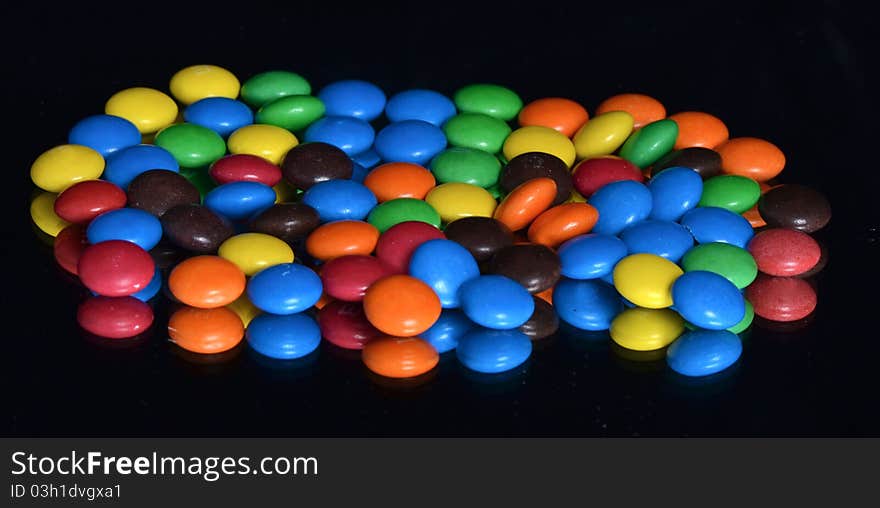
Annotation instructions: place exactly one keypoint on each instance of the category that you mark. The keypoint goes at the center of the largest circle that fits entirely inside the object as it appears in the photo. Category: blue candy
(703, 352)
(124, 165)
(283, 337)
(711, 224)
(620, 204)
(129, 224)
(351, 135)
(368, 158)
(220, 114)
(449, 328)
(425, 105)
(340, 200)
(674, 191)
(287, 288)
(240, 200)
(495, 301)
(663, 238)
(590, 256)
(708, 300)
(358, 172)
(355, 98)
(410, 141)
(152, 288)
(445, 266)
(104, 133)
(492, 351)
(586, 304)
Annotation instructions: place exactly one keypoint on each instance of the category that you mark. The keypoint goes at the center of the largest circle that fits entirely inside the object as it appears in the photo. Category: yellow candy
(455, 200)
(536, 138)
(603, 134)
(267, 141)
(646, 280)
(58, 168)
(646, 329)
(254, 251)
(284, 192)
(148, 109)
(43, 214)
(245, 310)
(197, 82)
(576, 197)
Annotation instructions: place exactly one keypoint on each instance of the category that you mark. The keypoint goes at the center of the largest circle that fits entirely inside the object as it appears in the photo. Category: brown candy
(481, 236)
(543, 323)
(287, 221)
(795, 206)
(158, 190)
(195, 228)
(530, 165)
(536, 267)
(310, 163)
(704, 161)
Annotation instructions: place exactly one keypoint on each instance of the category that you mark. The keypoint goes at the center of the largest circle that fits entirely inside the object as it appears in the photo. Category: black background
(800, 75)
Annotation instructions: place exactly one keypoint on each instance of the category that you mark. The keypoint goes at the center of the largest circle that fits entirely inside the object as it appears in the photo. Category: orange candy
(342, 238)
(546, 295)
(751, 157)
(399, 180)
(562, 223)
(526, 202)
(401, 305)
(563, 115)
(643, 108)
(205, 331)
(696, 128)
(752, 214)
(399, 357)
(206, 282)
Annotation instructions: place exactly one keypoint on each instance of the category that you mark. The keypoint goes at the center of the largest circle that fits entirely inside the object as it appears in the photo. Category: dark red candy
(795, 206)
(69, 246)
(784, 252)
(115, 268)
(244, 168)
(84, 201)
(481, 236)
(531, 165)
(781, 298)
(706, 162)
(310, 163)
(345, 324)
(544, 321)
(348, 277)
(196, 228)
(114, 318)
(535, 267)
(397, 243)
(158, 190)
(591, 174)
(287, 221)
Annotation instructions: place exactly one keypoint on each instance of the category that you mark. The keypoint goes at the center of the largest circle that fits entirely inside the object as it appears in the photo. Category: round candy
(673, 192)
(698, 129)
(195, 228)
(197, 82)
(643, 108)
(397, 243)
(752, 157)
(641, 329)
(354, 98)
(475, 130)
(148, 109)
(399, 357)
(796, 207)
(129, 224)
(732, 192)
(730, 261)
(666, 239)
(526, 202)
(602, 134)
(646, 145)
(620, 205)
(344, 324)
(219, 114)
(104, 133)
(58, 168)
(646, 280)
(481, 236)
(586, 304)
(561, 223)
(449, 328)
(284, 337)
(703, 352)
(192, 146)
(114, 318)
(265, 87)
(206, 282)
(312, 163)
(536, 138)
(152, 288)
(708, 300)
(531, 165)
(347, 278)
(592, 174)
(466, 165)
(245, 310)
(590, 256)
(158, 190)
(784, 252)
(444, 266)
(400, 210)
(394, 180)
(83, 201)
(493, 351)
(351, 135)
(342, 238)
(746, 321)
(69, 246)
(340, 199)
(544, 321)
(410, 141)
(706, 162)
(267, 141)
(245, 168)
(287, 221)
(285, 288)
(710, 224)
(781, 298)
(367, 159)
(562, 115)
(205, 331)
(115, 268)
(496, 302)
(488, 99)
(425, 105)
(401, 305)
(240, 200)
(293, 112)
(535, 267)
(43, 214)
(253, 252)
(126, 164)
(457, 200)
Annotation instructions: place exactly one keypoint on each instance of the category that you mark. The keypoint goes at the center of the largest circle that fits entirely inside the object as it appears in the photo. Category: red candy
(591, 174)
(84, 201)
(784, 252)
(345, 325)
(69, 246)
(397, 244)
(115, 268)
(245, 168)
(114, 318)
(781, 298)
(348, 277)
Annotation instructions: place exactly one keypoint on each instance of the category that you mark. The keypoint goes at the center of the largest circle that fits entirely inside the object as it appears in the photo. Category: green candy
(268, 86)
(493, 100)
(646, 145)
(733, 192)
(496, 191)
(400, 210)
(192, 146)
(476, 130)
(466, 165)
(733, 263)
(200, 178)
(292, 112)
(746, 320)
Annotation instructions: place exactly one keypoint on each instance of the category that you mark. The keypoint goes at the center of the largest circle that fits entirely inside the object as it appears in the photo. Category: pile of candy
(446, 230)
